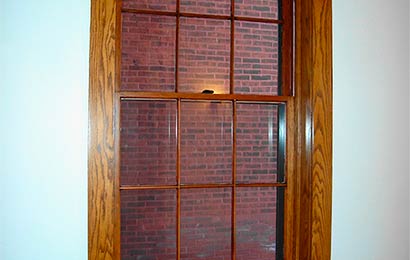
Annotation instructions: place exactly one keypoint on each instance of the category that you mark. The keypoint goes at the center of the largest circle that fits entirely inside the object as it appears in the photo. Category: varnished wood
(178, 19)
(207, 16)
(286, 49)
(303, 128)
(201, 186)
(232, 50)
(234, 184)
(313, 135)
(101, 154)
(199, 96)
(178, 219)
(322, 130)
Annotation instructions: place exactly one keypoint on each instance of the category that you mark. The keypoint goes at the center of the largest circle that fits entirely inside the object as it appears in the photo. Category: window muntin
(192, 50)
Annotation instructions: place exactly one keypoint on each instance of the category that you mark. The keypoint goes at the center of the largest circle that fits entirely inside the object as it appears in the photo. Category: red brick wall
(148, 224)
(204, 55)
(256, 58)
(206, 142)
(148, 156)
(148, 52)
(256, 223)
(257, 8)
(148, 143)
(257, 143)
(148, 55)
(162, 5)
(206, 6)
(148, 132)
(206, 224)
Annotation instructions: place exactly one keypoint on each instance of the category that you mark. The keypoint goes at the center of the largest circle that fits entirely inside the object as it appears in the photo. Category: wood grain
(313, 123)
(101, 154)
(322, 130)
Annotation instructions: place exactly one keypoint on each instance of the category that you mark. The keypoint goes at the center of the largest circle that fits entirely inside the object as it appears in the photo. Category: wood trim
(313, 119)
(198, 96)
(101, 151)
(322, 130)
(209, 16)
(286, 46)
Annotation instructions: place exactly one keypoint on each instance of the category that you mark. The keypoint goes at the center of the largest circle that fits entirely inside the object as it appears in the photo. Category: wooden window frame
(309, 143)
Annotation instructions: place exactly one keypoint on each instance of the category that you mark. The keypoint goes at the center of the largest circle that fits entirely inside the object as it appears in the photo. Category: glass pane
(256, 212)
(162, 5)
(148, 224)
(148, 142)
(206, 142)
(257, 8)
(256, 143)
(148, 52)
(206, 224)
(222, 7)
(204, 55)
(256, 58)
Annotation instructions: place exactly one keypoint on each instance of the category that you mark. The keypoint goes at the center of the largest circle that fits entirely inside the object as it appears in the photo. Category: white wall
(43, 126)
(43, 115)
(371, 130)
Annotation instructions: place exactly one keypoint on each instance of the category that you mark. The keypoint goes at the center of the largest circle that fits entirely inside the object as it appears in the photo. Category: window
(201, 144)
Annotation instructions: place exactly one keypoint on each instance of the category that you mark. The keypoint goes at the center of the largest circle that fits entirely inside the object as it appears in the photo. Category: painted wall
(43, 115)
(43, 112)
(371, 130)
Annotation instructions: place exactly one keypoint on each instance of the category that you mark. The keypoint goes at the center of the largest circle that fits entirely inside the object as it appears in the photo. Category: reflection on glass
(206, 224)
(256, 58)
(161, 5)
(204, 55)
(206, 142)
(256, 143)
(256, 223)
(206, 6)
(148, 224)
(257, 8)
(148, 52)
(148, 142)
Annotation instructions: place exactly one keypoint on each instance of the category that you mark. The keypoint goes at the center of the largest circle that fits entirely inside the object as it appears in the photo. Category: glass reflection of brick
(257, 8)
(161, 5)
(256, 58)
(256, 223)
(256, 143)
(148, 142)
(148, 52)
(206, 142)
(148, 224)
(206, 224)
(204, 55)
(206, 6)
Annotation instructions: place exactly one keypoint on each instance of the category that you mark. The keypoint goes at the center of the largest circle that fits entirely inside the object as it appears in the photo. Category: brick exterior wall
(257, 143)
(206, 224)
(206, 142)
(148, 132)
(148, 225)
(148, 143)
(206, 6)
(204, 55)
(148, 156)
(256, 223)
(256, 58)
(161, 5)
(148, 55)
(257, 8)
(148, 52)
